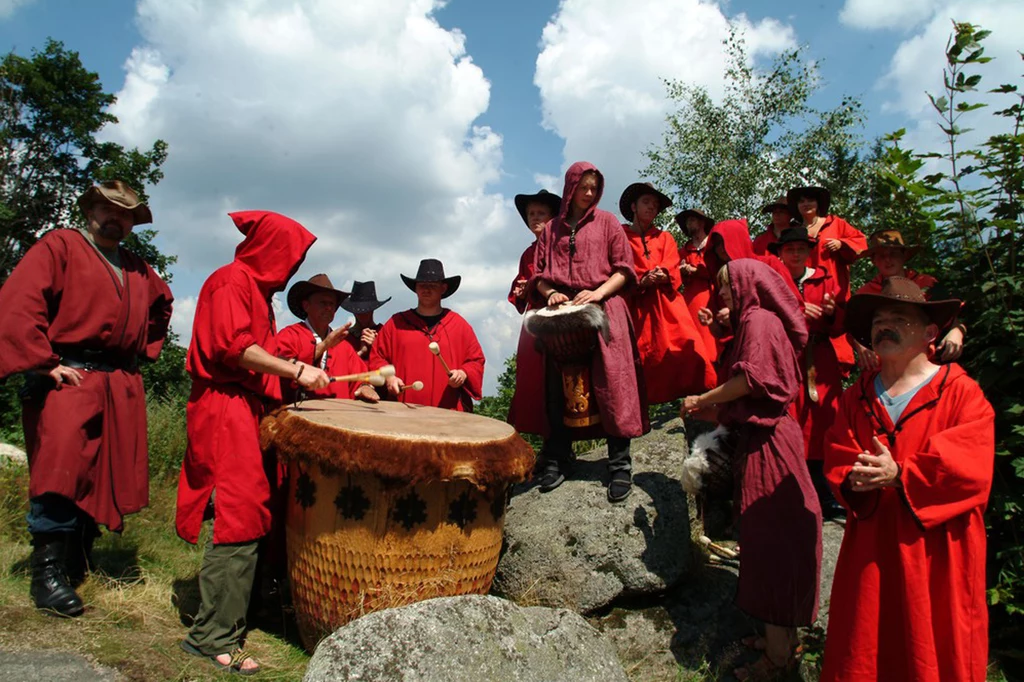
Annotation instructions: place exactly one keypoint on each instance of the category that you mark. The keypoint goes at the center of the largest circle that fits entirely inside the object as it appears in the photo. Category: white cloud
(602, 67)
(356, 118)
(181, 318)
(9, 7)
(886, 14)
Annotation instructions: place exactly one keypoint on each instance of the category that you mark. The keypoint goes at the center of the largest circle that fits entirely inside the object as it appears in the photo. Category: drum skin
(390, 504)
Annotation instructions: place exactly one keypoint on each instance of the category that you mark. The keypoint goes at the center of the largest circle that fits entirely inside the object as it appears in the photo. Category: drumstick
(718, 549)
(383, 373)
(436, 350)
(414, 386)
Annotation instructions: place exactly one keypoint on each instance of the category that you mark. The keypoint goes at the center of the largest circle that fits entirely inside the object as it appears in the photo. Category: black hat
(634, 192)
(300, 291)
(431, 270)
(791, 235)
(552, 201)
(681, 217)
(363, 299)
(820, 194)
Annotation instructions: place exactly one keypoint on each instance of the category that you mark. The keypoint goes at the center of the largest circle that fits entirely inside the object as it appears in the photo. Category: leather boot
(78, 553)
(50, 588)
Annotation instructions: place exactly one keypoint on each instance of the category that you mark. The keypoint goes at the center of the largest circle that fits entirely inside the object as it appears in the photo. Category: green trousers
(225, 585)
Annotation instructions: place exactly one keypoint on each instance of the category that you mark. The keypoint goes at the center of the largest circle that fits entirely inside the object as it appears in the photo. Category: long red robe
(908, 601)
(764, 240)
(529, 359)
(672, 352)
(838, 264)
(601, 249)
(697, 293)
(297, 341)
(227, 401)
(526, 269)
(88, 442)
(815, 417)
(404, 341)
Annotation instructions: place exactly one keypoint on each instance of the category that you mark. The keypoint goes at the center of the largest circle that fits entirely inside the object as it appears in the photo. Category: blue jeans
(53, 513)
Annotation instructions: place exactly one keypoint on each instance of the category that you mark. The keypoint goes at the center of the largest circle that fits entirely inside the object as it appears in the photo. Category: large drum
(390, 504)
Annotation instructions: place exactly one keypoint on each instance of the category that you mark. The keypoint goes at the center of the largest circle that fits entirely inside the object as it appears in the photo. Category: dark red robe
(404, 341)
(908, 601)
(697, 293)
(780, 517)
(926, 282)
(297, 341)
(764, 240)
(673, 355)
(227, 402)
(735, 235)
(522, 303)
(86, 443)
(601, 249)
(529, 359)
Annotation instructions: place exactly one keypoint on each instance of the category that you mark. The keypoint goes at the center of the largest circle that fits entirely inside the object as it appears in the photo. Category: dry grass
(132, 622)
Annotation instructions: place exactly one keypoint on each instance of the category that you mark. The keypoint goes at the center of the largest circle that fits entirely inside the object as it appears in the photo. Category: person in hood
(911, 456)
(584, 257)
(76, 315)
(780, 519)
(235, 380)
(672, 352)
(782, 219)
(696, 225)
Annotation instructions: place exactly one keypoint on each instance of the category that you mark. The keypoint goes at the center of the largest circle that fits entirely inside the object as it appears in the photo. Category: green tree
(51, 110)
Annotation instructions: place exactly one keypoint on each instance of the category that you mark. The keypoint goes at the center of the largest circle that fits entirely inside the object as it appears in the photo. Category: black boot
(78, 553)
(50, 588)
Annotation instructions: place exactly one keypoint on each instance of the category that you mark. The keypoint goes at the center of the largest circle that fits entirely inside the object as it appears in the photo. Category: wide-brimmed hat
(889, 239)
(549, 199)
(860, 311)
(300, 291)
(696, 212)
(780, 202)
(822, 195)
(119, 194)
(634, 192)
(431, 270)
(790, 236)
(363, 299)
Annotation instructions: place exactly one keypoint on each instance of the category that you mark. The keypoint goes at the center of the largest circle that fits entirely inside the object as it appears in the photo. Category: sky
(397, 130)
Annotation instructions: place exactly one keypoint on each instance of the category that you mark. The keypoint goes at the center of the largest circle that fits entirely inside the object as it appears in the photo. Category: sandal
(765, 669)
(234, 664)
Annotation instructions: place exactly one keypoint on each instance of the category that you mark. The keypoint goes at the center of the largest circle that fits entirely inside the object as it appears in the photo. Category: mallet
(718, 549)
(414, 386)
(436, 350)
(377, 374)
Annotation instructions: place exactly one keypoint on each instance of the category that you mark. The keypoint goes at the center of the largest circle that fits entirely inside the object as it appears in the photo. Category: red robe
(908, 601)
(697, 293)
(88, 442)
(529, 359)
(228, 401)
(526, 270)
(297, 341)
(672, 352)
(926, 282)
(404, 341)
(764, 240)
(838, 264)
(815, 417)
(735, 235)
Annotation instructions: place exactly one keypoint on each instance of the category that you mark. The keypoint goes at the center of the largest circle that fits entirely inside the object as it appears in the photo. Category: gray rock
(571, 548)
(471, 639)
(13, 454)
(53, 666)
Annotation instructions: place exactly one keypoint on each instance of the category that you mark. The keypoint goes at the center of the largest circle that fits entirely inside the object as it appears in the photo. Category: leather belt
(97, 360)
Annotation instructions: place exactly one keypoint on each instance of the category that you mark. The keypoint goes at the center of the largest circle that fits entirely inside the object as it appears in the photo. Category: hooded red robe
(764, 240)
(735, 236)
(234, 312)
(838, 264)
(908, 601)
(88, 442)
(529, 359)
(673, 355)
(697, 293)
(404, 341)
(780, 517)
(601, 249)
(297, 341)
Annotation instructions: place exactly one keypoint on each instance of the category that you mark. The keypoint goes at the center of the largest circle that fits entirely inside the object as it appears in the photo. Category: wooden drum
(390, 504)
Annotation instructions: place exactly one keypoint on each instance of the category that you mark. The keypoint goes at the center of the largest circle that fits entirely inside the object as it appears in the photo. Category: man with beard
(76, 315)
(911, 457)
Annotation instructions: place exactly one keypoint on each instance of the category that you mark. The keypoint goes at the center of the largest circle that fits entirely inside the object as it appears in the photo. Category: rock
(53, 666)
(571, 548)
(11, 453)
(471, 638)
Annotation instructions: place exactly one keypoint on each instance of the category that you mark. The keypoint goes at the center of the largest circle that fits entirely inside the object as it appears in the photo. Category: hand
(872, 472)
(691, 404)
(833, 245)
(705, 317)
(366, 394)
(394, 385)
(367, 337)
(867, 359)
(312, 378)
(812, 312)
(828, 306)
(647, 280)
(722, 317)
(660, 275)
(952, 345)
(586, 296)
(557, 298)
(687, 269)
(457, 378)
(62, 374)
(519, 289)
(336, 336)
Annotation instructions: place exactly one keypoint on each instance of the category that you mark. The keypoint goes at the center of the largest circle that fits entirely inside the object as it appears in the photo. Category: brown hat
(119, 194)
(822, 195)
(889, 239)
(780, 202)
(634, 192)
(300, 291)
(860, 311)
(697, 213)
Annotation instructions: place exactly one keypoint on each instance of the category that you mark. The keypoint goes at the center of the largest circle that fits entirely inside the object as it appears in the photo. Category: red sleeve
(27, 299)
(853, 240)
(473, 363)
(293, 343)
(381, 351)
(670, 260)
(620, 254)
(841, 451)
(952, 473)
(837, 325)
(345, 361)
(523, 274)
(228, 323)
(160, 300)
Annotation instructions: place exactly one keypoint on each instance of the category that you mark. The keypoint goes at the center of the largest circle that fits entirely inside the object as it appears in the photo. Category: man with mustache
(910, 455)
(76, 316)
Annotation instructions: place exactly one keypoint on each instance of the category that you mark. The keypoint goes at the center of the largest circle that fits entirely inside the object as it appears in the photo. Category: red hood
(273, 249)
(754, 286)
(735, 234)
(572, 180)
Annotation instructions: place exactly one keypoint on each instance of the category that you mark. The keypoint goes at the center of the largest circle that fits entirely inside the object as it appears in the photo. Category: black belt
(97, 360)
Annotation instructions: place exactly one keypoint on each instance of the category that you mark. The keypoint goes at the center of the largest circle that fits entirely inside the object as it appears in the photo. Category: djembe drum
(569, 336)
(389, 504)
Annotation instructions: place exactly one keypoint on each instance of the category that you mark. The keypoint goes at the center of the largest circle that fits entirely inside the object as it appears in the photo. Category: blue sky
(401, 129)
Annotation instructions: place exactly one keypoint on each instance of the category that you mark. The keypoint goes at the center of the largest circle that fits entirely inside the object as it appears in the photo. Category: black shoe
(620, 486)
(78, 553)
(831, 510)
(50, 589)
(550, 479)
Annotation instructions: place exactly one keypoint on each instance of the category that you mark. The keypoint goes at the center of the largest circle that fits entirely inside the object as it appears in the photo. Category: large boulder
(571, 548)
(472, 638)
(12, 453)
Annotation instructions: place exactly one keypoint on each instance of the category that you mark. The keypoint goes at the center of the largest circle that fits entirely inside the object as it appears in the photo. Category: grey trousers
(225, 585)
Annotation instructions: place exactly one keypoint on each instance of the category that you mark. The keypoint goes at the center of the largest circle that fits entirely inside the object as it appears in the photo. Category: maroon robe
(529, 359)
(88, 442)
(601, 250)
(780, 518)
